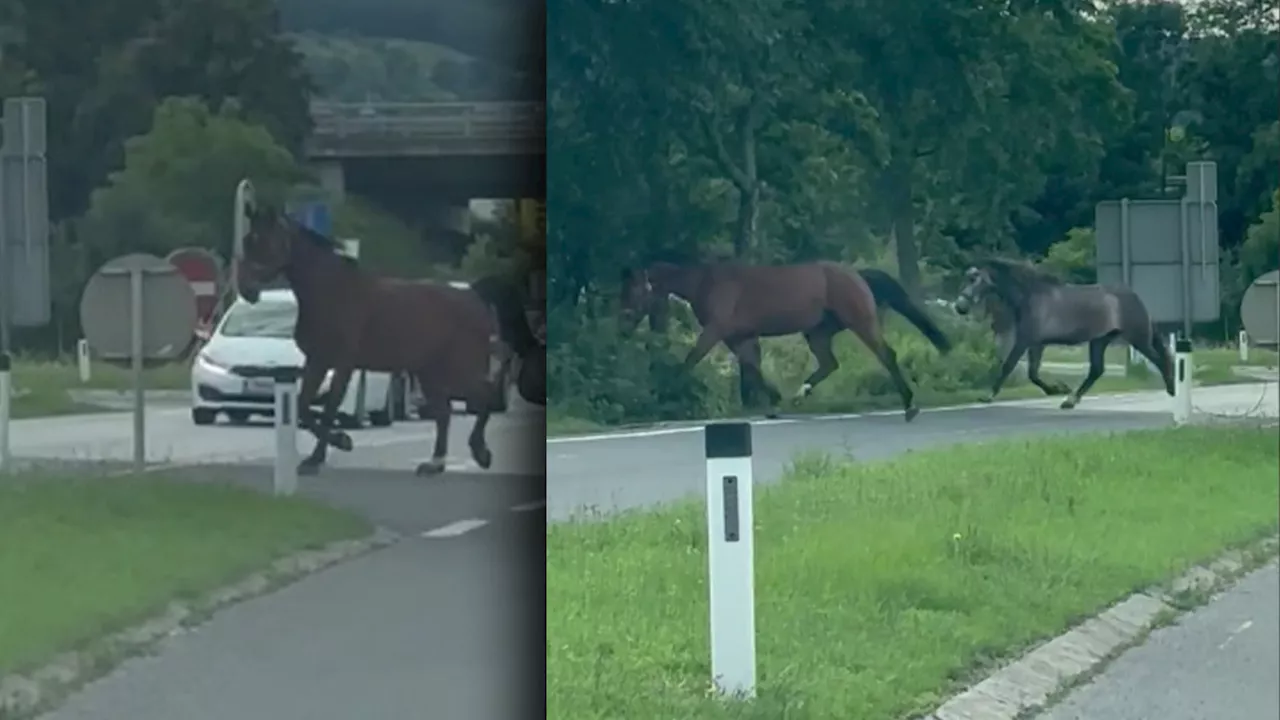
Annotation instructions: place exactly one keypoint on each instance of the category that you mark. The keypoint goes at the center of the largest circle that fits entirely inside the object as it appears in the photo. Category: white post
(137, 346)
(730, 555)
(1182, 373)
(82, 359)
(6, 392)
(1244, 346)
(285, 477)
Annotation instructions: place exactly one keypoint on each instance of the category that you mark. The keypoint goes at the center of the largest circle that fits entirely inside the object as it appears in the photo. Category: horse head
(267, 250)
(640, 298)
(978, 285)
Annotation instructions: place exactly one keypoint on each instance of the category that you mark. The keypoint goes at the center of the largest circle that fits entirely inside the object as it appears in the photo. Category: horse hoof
(342, 441)
(911, 413)
(308, 468)
(483, 457)
(771, 415)
(434, 467)
(985, 399)
(1069, 403)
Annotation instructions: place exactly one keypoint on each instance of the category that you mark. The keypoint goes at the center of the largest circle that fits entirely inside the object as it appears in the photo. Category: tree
(177, 186)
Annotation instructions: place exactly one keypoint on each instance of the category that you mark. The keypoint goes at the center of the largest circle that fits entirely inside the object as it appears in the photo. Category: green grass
(1214, 355)
(80, 558)
(42, 387)
(882, 587)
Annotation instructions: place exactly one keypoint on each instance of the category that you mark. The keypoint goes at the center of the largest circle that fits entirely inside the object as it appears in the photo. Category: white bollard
(6, 394)
(82, 359)
(730, 555)
(285, 476)
(1182, 373)
(1244, 346)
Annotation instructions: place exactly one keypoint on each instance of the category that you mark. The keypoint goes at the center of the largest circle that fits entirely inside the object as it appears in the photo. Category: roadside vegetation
(82, 557)
(883, 587)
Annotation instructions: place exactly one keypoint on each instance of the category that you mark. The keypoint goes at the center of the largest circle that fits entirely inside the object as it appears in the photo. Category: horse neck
(683, 282)
(314, 270)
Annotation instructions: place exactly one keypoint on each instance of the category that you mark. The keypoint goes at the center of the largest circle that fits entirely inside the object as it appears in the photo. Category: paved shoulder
(1220, 662)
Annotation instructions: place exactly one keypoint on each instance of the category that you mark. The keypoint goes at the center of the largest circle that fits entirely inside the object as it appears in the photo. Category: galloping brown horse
(738, 304)
(351, 320)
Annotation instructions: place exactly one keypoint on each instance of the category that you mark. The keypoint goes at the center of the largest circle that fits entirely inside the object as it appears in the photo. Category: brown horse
(351, 320)
(1048, 311)
(739, 304)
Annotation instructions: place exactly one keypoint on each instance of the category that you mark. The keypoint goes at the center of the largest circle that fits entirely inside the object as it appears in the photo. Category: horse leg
(875, 342)
(819, 340)
(324, 432)
(1097, 364)
(751, 372)
(1034, 355)
(480, 451)
(1006, 368)
(1154, 349)
(436, 405)
(707, 339)
(312, 375)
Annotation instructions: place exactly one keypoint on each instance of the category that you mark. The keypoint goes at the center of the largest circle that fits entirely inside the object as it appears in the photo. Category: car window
(262, 319)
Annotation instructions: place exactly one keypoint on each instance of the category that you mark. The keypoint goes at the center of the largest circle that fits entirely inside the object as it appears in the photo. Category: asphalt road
(1221, 662)
(435, 626)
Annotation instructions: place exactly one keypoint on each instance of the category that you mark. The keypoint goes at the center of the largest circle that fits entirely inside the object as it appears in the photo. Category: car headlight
(208, 362)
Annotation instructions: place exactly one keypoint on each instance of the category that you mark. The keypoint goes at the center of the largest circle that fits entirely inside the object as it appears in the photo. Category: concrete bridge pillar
(331, 177)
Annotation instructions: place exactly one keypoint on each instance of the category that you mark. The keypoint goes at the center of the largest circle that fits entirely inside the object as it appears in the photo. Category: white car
(261, 335)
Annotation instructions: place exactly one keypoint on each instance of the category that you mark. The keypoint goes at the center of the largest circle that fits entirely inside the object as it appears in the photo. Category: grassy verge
(80, 558)
(43, 388)
(882, 587)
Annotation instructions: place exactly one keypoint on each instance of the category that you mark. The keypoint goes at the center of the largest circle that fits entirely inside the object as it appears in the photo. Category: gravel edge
(25, 695)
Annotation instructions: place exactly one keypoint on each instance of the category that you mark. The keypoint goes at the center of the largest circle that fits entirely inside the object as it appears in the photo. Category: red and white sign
(201, 268)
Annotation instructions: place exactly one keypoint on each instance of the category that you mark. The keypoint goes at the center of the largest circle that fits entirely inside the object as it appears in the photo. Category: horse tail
(890, 293)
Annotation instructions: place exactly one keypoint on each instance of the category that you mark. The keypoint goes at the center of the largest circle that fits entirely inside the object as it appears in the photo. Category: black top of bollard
(728, 440)
(1182, 345)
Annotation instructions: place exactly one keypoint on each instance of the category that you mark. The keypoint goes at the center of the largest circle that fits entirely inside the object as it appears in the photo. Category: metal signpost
(731, 557)
(1166, 251)
(138, 310)
(25, 299)
(1260, 311)
(245, 198)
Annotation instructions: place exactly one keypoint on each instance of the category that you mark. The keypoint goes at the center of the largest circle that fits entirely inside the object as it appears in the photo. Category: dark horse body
(739, 304)
(1039, 309)
(514, 313)
(351, 320)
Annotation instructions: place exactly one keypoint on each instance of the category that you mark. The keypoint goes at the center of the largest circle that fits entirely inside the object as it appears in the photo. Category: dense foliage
(907, 133)
(156, 109)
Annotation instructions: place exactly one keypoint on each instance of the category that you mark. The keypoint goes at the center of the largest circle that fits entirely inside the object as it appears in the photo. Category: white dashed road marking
(454, 529)
(526, 507)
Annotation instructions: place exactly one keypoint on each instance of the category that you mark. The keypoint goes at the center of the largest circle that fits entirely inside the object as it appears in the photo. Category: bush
(603, 373)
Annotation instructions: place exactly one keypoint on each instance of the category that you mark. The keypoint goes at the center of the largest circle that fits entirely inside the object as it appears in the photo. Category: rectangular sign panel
(24, 213)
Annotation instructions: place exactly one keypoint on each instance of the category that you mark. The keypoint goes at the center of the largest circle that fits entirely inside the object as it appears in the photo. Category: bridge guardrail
(431, 120)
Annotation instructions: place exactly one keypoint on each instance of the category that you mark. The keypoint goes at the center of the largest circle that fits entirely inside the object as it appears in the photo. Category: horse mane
(1015, 280)
(323, 241)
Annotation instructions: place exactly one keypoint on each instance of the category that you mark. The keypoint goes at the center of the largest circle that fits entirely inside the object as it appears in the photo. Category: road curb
(23, 696)
(1030, 684)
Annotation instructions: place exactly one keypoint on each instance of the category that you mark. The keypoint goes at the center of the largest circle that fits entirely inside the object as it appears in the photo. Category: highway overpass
(426, 161)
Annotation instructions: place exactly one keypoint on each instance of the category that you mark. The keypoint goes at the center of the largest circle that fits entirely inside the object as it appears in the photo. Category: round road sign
(202, 269)
(167, 303)
(1260, 310)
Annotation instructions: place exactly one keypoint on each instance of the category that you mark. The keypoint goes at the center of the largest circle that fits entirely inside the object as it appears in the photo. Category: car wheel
(349, 422)
(204, 416)
(385, 416)
(239, 417)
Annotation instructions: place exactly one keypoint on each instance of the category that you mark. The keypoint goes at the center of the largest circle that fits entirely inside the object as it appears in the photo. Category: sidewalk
(1219, 662)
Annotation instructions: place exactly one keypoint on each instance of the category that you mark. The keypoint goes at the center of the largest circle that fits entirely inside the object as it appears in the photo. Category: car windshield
(263, 319)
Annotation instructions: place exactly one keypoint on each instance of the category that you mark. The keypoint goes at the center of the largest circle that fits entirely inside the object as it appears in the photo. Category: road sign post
(6, 394)
(25, 297)
(138, 310)
(730, 557)
(1182, 374)
(245, 198)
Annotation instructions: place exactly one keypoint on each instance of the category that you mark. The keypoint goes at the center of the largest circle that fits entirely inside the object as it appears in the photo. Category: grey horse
(1041, 310)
